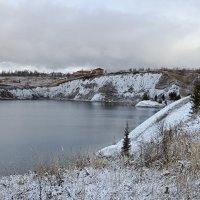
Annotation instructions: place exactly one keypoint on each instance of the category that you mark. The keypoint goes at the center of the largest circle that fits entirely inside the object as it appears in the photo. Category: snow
(149, 103)
(179, 116)
(169, 117)
(126, 85)
(111, 182)
(97, 97)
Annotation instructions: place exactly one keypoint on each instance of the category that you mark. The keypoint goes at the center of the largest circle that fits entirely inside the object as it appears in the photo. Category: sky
(62, 35)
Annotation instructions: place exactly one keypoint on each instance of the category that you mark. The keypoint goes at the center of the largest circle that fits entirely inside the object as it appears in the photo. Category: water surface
(34, 131)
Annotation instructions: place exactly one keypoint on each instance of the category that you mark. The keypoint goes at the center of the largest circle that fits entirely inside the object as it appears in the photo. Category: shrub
(159, 101)
(174, 96)
(171, 148)
(145, 96)
(163, 97)
(130, 89)
(195, 97)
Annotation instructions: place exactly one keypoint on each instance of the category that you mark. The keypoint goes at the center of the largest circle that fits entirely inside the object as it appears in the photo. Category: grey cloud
(56, 35)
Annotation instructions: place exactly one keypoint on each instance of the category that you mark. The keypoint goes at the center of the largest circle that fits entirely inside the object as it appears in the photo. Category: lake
(36, 131)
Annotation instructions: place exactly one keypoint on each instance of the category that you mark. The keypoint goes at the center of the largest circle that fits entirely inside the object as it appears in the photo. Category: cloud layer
(112, 34)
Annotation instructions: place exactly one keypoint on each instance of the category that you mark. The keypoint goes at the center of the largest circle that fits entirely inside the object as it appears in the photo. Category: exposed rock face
(109, 91)
(164, 81)
(5, 94)
(38, 96)
(184, 80)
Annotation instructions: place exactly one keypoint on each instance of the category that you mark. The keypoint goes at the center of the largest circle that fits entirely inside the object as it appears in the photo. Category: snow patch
(97, 97)
(149, 103)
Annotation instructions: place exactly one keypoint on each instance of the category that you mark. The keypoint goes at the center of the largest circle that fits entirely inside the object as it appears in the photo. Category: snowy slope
(125, 86)
(175, 114)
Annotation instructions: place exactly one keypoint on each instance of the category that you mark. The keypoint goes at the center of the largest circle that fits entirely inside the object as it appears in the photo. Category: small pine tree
(163, 97)
(174, 96)
(126, 142)
(145, 96)
(195, 97)
(156, 98)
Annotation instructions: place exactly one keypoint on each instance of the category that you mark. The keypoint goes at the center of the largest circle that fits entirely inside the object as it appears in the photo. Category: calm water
(34, 131)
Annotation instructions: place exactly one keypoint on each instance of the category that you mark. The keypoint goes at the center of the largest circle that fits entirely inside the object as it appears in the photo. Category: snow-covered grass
(104, 179)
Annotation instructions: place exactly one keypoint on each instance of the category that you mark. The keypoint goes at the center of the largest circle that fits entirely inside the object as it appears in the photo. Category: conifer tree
(195, 97)
(156, 98)
(163, 97)
(145, 96)
(126, 142)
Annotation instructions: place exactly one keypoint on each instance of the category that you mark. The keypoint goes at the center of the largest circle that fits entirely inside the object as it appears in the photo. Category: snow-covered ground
(169, 117)
(149, 104)
(113, 182)
(123, 86)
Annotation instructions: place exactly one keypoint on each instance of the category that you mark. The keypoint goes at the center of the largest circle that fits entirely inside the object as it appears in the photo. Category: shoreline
(128, 103)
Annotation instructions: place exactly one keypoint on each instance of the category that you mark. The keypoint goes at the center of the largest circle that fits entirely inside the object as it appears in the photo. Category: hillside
(124, 87)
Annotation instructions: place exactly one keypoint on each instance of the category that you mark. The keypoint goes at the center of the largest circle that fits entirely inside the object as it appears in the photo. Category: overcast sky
(113, 34)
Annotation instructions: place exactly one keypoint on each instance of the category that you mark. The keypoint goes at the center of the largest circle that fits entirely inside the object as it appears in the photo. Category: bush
(195, 97)
(163, 97)
(156, 98)
(145, 96)
(170, 148)
(160, 101)
(130, 89)
(174, 96)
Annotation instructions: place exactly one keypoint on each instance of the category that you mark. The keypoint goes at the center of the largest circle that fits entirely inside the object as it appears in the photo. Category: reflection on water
(31, 131)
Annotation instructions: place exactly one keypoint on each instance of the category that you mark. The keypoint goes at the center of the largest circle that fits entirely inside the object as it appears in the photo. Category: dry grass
(171, 149)
(77, 163)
